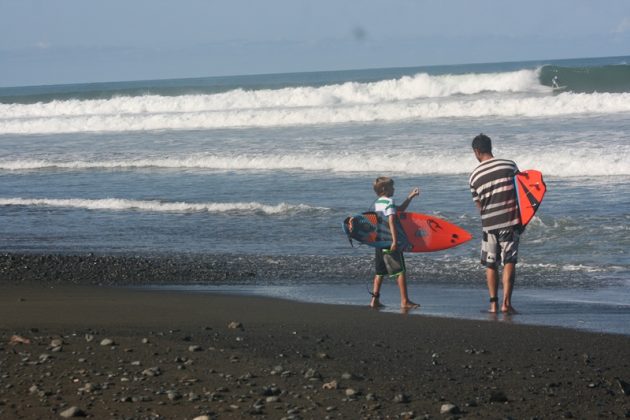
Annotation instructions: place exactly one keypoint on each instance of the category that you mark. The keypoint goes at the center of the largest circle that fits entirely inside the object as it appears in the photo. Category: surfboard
(416, 232)
(530, 190)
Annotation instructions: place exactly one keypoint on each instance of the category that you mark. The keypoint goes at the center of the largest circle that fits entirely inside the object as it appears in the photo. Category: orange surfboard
(530, 190)
(416, 232)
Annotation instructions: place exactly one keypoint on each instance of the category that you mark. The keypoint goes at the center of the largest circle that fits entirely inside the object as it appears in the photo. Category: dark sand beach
(118, 352)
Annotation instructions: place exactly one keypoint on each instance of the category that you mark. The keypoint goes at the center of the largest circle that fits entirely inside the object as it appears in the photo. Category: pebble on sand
(72, 412)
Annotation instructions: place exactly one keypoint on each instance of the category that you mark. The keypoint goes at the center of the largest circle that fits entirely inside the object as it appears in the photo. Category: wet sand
(116, 352)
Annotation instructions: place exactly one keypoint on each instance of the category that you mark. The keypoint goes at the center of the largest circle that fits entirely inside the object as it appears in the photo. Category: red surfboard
(530, 190)
(416, 232)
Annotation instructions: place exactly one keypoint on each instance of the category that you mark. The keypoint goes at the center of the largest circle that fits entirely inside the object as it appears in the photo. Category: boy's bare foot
(409, 305)
(376, 304)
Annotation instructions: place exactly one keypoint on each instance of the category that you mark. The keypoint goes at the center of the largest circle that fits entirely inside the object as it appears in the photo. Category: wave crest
(117, 204)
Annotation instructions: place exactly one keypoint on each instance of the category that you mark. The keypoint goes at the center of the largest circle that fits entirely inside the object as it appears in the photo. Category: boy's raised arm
(413, 193)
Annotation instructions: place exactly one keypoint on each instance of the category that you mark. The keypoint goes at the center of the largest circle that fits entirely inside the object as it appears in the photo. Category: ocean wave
(610, 78)
(406, 88)
(170, 118)
(556, 163)
(117, 204)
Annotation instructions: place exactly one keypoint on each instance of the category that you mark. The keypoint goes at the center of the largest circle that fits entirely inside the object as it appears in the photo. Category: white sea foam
(116, 204)
(511, 94)
(557, 163)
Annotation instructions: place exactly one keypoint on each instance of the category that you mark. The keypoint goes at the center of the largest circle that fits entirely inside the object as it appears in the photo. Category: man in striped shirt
(492, 187)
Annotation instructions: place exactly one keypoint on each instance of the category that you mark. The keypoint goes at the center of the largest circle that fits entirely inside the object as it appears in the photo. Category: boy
(384, 189)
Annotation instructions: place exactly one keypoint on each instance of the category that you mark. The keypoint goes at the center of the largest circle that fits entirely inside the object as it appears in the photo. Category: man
(492, 187)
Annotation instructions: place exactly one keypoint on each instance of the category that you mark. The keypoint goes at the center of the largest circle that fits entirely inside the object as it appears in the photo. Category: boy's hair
(381, 183)
(482, 143)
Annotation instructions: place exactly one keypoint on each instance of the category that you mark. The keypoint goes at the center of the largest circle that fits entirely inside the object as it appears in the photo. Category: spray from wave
(117, 204)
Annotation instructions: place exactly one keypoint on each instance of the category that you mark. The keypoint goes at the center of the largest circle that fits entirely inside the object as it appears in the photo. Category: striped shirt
(492, 186)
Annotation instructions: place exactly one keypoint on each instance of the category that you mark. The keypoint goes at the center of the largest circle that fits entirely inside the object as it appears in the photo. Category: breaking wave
(117, 204)
(422, 96)
(558, 162)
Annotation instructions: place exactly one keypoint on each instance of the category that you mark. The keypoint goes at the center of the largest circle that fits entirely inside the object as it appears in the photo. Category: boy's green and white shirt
(385, 205)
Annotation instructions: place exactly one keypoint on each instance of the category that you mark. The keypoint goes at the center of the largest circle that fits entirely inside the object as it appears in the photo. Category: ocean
(271, 164)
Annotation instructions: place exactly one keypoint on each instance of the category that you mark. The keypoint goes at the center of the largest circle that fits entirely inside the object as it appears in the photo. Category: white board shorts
(500, 246)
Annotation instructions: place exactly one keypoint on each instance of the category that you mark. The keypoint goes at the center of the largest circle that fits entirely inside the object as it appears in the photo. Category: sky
(81, 41)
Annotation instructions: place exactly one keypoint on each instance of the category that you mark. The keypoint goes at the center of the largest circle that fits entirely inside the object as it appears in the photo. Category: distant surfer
(390, 261)
(492, 187)
(554, 82)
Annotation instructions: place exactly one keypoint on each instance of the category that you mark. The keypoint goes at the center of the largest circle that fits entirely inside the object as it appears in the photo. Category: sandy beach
(117, 352)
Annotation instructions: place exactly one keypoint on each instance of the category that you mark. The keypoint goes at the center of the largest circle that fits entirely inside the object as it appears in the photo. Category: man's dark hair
(482, 143)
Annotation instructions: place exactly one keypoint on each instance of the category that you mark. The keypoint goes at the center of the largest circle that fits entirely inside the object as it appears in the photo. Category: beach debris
(173, 395)
(107, 342)
(152, 371)
(202, 418)
(89, 338)
(351, 377)
(194, 348)
(401, 399)
(56, 343)
(434, 358)
(625, 386)
(498, 397)
(312, 375)
(449, 408)
(18, 339)
(235, 325)
(331, 385)
(72, 412)
(270, 390)
(351, 392)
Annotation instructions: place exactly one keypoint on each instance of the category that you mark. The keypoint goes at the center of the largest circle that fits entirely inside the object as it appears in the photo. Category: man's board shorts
(500, 246)
(388, 262)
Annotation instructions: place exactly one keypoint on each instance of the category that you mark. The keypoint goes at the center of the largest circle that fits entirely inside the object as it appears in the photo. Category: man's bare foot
(494, 305)
(508, 310)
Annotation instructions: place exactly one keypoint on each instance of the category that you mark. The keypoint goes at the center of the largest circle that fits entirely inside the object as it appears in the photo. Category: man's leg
(509, 274)
(492, 278)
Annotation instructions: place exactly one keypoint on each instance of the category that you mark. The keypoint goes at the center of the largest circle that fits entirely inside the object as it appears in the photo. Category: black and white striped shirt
(492, 186)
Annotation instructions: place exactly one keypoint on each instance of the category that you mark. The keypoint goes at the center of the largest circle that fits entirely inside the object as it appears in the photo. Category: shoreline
(318, 279)
(179, 354)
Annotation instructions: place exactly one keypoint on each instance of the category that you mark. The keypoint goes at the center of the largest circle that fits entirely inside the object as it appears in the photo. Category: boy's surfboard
(416, 232)
(530, 190)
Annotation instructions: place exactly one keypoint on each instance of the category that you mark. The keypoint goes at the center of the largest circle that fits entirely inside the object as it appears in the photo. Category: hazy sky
(67, 41)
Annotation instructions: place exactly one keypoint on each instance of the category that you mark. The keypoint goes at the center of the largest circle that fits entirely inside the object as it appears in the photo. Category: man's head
(482, 146)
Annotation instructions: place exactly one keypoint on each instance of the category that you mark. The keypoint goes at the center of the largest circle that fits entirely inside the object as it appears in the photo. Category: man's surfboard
(530, 190)
(416, 232)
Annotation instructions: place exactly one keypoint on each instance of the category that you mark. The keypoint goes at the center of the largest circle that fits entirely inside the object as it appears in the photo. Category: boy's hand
(394, 247)
(414, 193)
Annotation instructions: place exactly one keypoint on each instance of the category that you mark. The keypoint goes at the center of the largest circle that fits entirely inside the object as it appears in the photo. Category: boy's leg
(376, 292)
(509, 274)
(405, 303)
